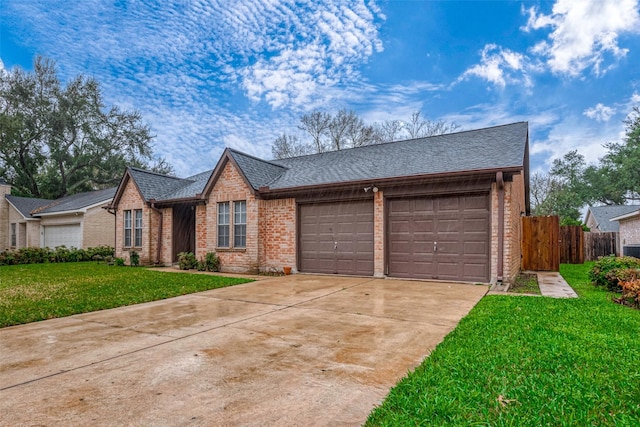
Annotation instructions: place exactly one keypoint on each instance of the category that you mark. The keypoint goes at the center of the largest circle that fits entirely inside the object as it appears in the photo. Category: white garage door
(62, 235)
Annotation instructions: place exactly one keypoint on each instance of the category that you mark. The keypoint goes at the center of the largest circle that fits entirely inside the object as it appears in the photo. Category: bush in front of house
(608, 271)
(187, 261)
(630, 292)
(59, 254)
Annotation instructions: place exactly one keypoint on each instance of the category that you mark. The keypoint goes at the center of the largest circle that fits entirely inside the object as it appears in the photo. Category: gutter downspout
(159, 247)
(500, 186)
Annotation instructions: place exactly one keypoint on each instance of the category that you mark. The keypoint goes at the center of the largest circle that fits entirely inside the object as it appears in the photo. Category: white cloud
(600, 112)
(584, 33)
(500, 66)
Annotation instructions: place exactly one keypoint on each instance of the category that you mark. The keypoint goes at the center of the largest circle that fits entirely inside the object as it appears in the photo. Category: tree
(622, 162)
(346, 129)
(57, 141)
(286, 146)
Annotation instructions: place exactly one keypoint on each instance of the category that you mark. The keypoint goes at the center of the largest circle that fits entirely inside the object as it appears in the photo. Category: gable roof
(490, 149)
(500, 147)
(76, 202)
(604, 214)
(25, 205)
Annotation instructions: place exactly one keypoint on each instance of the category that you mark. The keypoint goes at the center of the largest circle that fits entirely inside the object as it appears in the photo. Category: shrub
(211, 262)
(187, 261)
(119, 262)
(134, 258)
(60, 254)
(606, 265)
(630, 293)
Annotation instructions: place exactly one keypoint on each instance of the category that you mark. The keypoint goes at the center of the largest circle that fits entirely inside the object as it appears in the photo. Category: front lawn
(527, 361)
(43, 291)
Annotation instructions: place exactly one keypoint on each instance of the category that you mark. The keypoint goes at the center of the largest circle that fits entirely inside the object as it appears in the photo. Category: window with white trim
(127, 229)
(137, 228)
(223, 225)
(14, 235)
(240, 224)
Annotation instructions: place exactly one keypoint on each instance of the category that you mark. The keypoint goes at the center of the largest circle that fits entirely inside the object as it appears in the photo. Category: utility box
(631, 250)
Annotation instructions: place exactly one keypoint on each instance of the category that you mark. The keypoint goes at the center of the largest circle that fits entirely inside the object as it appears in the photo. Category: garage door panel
(459, 224)
(337, 237)
(69, 235)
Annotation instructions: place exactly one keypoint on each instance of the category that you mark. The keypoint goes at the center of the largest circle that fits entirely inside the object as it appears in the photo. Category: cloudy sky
(206, 74)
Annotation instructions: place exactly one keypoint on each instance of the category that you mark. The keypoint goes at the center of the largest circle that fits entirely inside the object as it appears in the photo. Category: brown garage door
(337, 238)
(443, 238)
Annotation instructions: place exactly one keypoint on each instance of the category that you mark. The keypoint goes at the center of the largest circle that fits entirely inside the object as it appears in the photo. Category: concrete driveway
(295, 350)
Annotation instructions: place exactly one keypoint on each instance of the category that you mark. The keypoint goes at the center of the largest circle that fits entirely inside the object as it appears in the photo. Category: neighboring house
(79, 221)
(629, 232)
(598, 218)
(444, 207)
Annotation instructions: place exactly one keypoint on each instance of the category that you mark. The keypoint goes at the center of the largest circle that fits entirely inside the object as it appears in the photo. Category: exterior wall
(231, 187)
(201, 231)
(514, 208)
(592, 224)
(4, 216)
(98, 228)
(277, 234)
(28, 232)
(629, 232)
(131, 199)
(514, 204)
(378, 234)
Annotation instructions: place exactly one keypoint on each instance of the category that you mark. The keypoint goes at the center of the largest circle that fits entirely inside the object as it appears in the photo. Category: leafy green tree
(56, 141)
(622, 162)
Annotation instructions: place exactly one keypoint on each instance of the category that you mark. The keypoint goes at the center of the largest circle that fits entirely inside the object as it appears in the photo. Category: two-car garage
(442, 237)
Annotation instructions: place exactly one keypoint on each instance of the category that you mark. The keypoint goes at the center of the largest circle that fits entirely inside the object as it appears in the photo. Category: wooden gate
(540, 243)
(572, 244)
(597, 245)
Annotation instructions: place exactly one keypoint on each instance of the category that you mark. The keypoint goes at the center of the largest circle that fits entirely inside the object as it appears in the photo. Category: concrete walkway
(552, 284)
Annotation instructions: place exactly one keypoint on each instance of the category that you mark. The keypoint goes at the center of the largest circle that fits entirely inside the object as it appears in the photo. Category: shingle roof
(27, 204)
(155, 186)
(603, 214)
(259, 172)
(490, 148)
(77, 201)
(499, 147)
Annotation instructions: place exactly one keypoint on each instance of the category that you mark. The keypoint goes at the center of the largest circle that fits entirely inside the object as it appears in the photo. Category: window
(138, 228)
(127, 229)
(14, 236)
(223, 225)
(240, 224)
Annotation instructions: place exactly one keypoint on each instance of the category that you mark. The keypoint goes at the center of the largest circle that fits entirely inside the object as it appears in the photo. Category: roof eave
(626, 216)
(268, 193)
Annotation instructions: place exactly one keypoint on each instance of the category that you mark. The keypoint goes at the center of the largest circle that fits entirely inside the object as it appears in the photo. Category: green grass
(29, 293)
(525, 284)
(552, 362)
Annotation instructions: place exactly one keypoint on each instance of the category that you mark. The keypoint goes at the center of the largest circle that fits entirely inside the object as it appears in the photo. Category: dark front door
(443, 238)
(336, 237)
(184, 229)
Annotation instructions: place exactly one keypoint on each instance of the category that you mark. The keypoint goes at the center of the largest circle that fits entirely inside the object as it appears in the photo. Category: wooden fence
(571, 244)
(540, 243)
(600, 244)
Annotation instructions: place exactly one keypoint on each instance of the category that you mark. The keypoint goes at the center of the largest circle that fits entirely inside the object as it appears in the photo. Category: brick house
(79, 221)
(443, 207)
(629, 224)
(598, 218)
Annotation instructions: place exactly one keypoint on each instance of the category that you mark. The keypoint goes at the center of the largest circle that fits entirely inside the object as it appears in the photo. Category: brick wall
(378, 234)
(277, 231)
(4, 216)
(131, 200)
(98, 227)
(514, 204)
(230, 187)
(201, 231)
(514, 207)
(629, 232)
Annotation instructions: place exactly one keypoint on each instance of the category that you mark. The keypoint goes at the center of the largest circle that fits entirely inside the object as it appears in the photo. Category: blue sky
(207, 74)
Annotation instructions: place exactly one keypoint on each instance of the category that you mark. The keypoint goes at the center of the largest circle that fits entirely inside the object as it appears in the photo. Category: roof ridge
(256, 158)
(152, 173)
